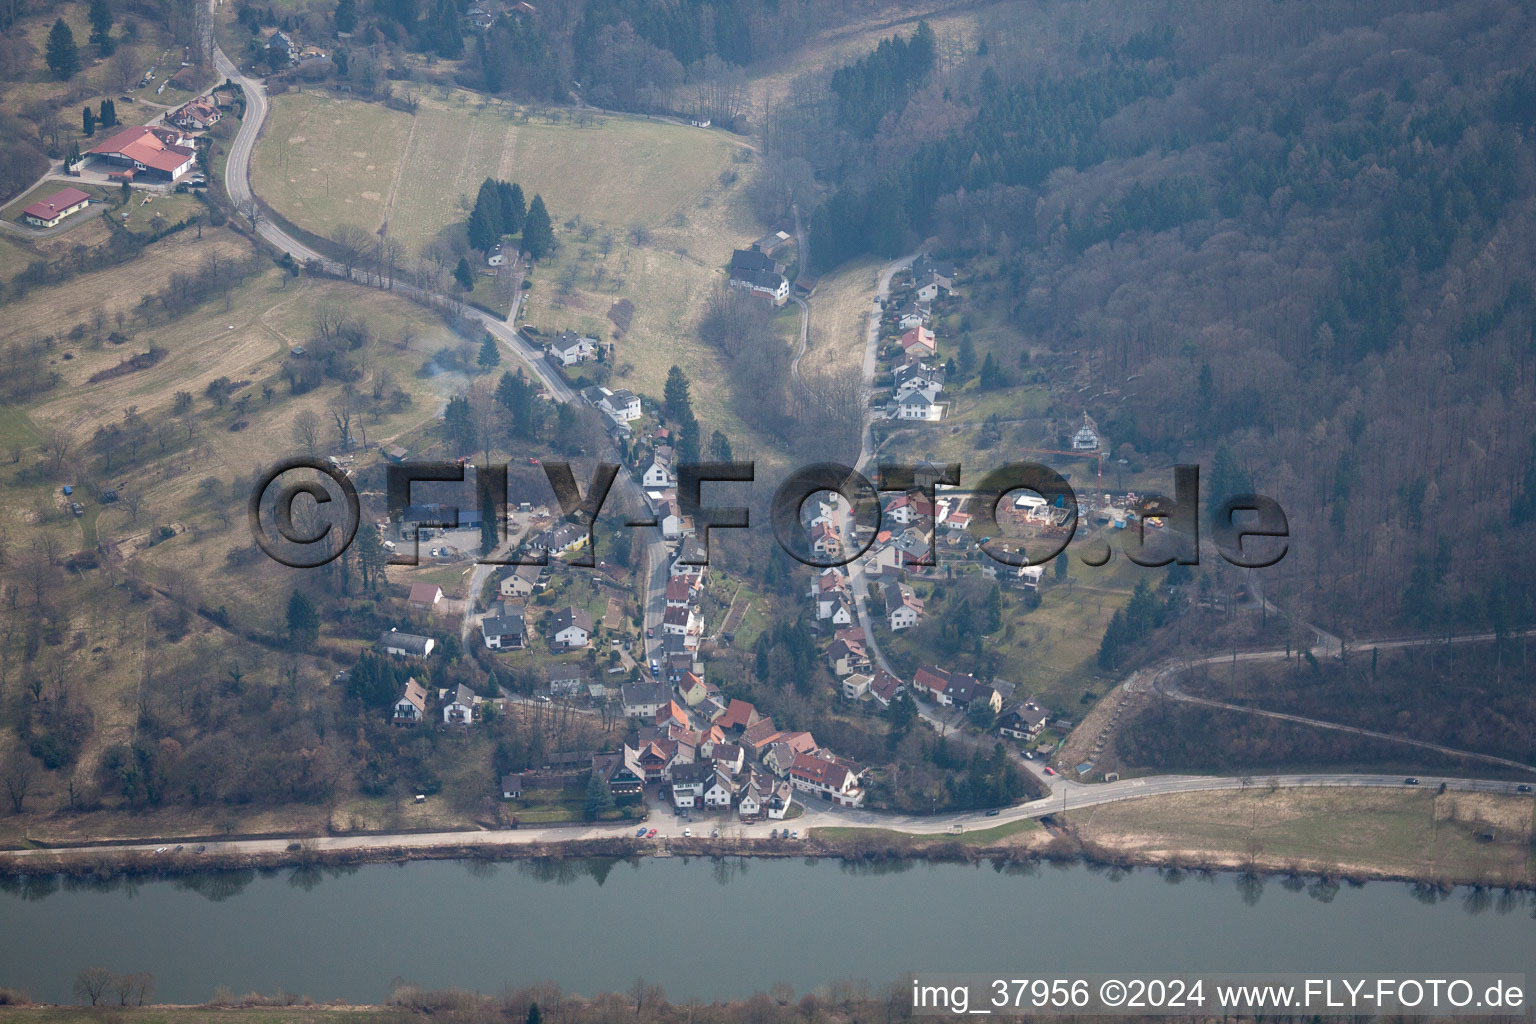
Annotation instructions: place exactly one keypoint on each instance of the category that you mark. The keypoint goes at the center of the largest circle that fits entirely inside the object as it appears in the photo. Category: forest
(1249, 236)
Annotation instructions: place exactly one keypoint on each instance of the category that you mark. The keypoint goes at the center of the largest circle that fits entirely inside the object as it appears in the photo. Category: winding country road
(237, 181)
(1065, 794)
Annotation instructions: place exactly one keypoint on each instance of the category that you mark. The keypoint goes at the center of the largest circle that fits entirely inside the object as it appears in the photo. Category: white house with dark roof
(569, 348)
(460, 708)
(571, 627)
(504, 628)
(406, 645)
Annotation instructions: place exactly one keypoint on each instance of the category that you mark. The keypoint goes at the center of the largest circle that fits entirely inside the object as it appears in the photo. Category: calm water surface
(723, 929)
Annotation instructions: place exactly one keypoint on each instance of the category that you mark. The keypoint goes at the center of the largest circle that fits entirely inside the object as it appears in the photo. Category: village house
(406, 645)
(45, 213)
(460, 710)
(670, 714)
(621, 780)
(918, 341)
(569, 348)
(512, 787)
(689, 782)
(918, 404)
(522, 581)
(930, 682)
(681, 622)
(833, 781)
(913, 374)
(692, 689)
(622, 404)
(643, 700)
(570, 628)
(562, 540)
(679, 592)
(738, 717)
(196, 115)
(1023, 721)
(903, 609)
(504, 628)
(659, 475)
(412, 705)
(847, 656)
(913, 314)
(941, 272)
(728, 756)
(721, 789)
(425, 595)
(496, 256)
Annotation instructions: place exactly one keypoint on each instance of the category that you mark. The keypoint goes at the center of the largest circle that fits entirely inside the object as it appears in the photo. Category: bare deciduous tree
(91, 984)
(306, 430)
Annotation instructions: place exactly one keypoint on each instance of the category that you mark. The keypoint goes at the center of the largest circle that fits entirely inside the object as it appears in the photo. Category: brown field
(119, 289)
(326, 161)
(1453, 836)
(839, 316)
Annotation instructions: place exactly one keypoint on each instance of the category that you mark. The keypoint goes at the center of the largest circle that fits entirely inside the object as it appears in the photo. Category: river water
(724, 929)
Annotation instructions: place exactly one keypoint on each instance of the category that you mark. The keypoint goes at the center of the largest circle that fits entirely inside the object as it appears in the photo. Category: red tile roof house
(425, 595)
(45, 213)
(931, 683)
(829, 780)
(160, 153)
(738, 716)
(197, 115)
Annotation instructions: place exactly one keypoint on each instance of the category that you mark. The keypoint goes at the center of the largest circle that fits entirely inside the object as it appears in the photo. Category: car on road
(640, 833)
(650, 633)
(715, 833)
(651, 834)
(542, 698)
(162, 849)
(1522, 788)
(655, 667)
(1049, 770)
(993, 813)
(200, 849)
(179, 848)
(1410, 781)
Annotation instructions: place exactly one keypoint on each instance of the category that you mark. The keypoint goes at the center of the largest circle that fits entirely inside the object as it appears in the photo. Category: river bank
(1429, 839)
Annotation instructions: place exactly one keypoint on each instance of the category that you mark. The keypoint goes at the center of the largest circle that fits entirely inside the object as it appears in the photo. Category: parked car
(687, 832)
(716, 833)
(640, 833)
(774, 834)
(795, 834)
(650, 634)
(1049, 770)
(77, 508)
(651, 834)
